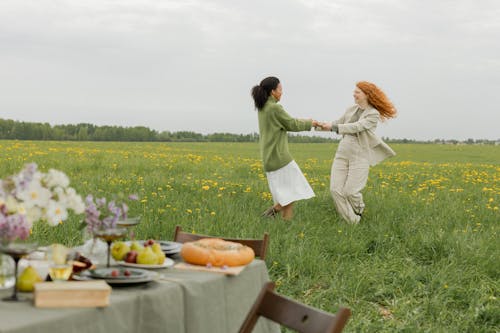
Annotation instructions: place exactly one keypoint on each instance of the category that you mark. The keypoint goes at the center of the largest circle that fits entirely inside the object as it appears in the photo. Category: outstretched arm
(367, 122)
(292, 124)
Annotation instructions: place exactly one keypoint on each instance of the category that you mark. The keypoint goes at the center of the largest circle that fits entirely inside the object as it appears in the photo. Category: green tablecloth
(182, 301)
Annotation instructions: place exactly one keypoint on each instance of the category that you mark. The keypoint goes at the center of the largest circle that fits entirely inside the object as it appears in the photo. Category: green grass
(424, 258)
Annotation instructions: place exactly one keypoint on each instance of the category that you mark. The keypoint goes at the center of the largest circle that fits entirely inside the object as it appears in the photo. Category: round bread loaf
(216, 252)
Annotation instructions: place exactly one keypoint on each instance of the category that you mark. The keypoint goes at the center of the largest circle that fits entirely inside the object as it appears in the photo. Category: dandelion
(205, 187)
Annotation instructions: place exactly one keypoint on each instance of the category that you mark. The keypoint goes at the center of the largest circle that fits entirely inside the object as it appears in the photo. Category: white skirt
(288, 184)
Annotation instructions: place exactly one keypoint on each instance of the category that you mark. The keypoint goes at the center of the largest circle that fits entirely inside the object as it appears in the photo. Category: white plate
(166, 246)
(170, 246)
(167, 263)
(85, 276)
(105, 273)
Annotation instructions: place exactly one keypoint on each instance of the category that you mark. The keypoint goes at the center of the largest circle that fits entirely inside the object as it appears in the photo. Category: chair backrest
(259, 246)
(292, 314)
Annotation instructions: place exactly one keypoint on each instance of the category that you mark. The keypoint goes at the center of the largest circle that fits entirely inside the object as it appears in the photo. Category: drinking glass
(61, 264)
(16, 251)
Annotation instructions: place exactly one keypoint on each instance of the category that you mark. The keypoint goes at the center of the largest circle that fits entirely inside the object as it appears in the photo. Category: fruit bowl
(146, 253)
(167, 263)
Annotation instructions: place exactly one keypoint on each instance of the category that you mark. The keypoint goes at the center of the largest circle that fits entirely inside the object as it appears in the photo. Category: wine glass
(16, 251)
(129, 222)
(109, 235)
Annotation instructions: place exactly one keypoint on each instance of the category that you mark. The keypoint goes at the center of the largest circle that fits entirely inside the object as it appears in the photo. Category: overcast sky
(190, 64)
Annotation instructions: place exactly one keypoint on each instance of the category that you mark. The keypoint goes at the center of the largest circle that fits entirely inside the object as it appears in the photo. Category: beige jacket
(364, 129)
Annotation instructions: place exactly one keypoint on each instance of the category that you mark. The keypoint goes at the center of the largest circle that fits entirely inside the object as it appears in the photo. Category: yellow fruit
(157, 248)
(147, 257)
(26, 281)
(159, 253)
(119, 250)
(161, 258)
(136, 246)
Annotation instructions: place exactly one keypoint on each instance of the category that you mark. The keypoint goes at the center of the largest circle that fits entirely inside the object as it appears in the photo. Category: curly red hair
(378, 99)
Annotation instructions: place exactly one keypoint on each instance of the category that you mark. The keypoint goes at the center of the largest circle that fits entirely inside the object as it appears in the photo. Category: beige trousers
(348, 177)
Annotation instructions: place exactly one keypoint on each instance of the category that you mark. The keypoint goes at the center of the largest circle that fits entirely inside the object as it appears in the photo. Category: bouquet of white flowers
(32, 195)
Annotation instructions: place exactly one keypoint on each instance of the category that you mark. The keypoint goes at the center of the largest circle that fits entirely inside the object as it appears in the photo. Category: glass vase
(7, 267)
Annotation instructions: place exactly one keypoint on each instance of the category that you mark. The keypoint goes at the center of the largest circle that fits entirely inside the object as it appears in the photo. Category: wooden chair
(259, 246)
(292, 314)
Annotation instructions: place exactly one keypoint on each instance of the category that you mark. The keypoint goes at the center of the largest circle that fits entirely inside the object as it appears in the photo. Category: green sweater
(274, 123)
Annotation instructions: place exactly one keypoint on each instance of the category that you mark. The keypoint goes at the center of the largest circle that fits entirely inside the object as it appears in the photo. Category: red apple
(127, 272)
(115, 273)
(131, 257)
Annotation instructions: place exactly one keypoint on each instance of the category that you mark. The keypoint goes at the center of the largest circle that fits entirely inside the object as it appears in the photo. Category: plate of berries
(118, 275)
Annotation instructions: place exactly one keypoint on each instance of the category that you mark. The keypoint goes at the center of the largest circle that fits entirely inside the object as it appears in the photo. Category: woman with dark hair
(286, 182)
(359, 148)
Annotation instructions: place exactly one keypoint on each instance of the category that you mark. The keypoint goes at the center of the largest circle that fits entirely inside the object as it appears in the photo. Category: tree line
(20, 130)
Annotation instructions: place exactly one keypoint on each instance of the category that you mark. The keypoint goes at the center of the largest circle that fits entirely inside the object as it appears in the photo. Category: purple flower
(103, 214)
(14, 226)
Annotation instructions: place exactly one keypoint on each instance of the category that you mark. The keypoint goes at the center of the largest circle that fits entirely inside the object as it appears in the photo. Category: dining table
(177, 300)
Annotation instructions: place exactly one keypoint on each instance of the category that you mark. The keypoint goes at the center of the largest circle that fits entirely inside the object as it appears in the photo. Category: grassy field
(424, 259)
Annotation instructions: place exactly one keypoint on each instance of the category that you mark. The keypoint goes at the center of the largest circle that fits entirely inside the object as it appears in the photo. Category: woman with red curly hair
(359, 148)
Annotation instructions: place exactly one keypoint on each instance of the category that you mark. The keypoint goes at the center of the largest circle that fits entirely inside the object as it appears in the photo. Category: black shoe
(360, 214)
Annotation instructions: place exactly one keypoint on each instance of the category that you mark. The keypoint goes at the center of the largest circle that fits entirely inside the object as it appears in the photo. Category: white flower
(34, 195)
(12, 205)
(74, 201)
(37, 176)
(56, 178)
(34, 214)
(55, 213)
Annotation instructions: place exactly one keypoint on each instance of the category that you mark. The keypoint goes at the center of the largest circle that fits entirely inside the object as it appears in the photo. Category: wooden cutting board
(235, 270)
(72, 294)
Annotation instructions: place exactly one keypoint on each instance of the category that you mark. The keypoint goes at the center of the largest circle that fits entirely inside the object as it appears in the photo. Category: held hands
(322, 126)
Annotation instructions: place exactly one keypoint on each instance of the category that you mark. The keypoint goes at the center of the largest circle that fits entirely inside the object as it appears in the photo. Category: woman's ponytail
(259, 97)
(261, 92)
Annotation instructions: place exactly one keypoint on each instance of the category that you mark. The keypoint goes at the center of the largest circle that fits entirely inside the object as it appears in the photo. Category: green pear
(136, 246)
(159, 253)
(147, 257)
(119, 250)
(26, 281)
(161, 258)
(157, 248)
